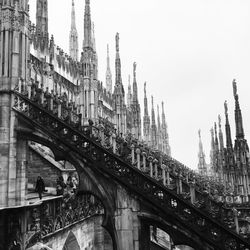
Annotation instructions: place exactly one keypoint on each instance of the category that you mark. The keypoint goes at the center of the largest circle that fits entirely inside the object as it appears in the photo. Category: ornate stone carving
(165, 201)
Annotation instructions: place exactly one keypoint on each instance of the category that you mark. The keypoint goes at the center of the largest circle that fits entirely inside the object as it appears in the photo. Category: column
(150, 159)
(163, 167)
(156, 168)
(133, 153)
(192, 191)
(138, 154)
(144, 161)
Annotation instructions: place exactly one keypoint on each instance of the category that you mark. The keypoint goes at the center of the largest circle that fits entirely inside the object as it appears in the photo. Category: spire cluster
(230, 164)
(95, 100)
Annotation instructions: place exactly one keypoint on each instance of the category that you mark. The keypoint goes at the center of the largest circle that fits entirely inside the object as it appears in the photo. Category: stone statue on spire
(225, 107)
(215, 128)
(117, 41)
(234, 87)
(134, 69)
(219, 119)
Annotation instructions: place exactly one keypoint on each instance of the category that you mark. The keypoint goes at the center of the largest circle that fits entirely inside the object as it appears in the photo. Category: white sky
(188, 51)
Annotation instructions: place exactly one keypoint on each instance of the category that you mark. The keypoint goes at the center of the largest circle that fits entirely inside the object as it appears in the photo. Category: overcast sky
(188, 52)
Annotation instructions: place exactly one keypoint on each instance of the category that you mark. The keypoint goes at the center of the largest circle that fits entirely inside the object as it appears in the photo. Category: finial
(158, 112)
(152, 100)
(73, 3)
(134, 69)
(86, 1)
(145, 88)
(117, 41)
(162, 104)
(128, 79)
(234, 87)
(226, 108)
(215, 128)
(199, 133)
(219, 120)
(107, 49)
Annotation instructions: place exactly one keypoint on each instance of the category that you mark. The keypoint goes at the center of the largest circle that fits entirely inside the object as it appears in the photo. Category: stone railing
(45, 218)
(164, 169)
(140, 155)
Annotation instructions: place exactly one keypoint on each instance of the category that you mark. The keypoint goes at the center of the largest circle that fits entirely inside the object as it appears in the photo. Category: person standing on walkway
(40, 187)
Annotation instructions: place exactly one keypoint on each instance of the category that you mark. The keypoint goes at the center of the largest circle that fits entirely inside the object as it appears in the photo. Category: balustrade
(45, 218)
(173, 175)
(138, 154)
(64, 109)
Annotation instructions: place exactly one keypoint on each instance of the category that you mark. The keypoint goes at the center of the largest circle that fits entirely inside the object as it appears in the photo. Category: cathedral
(229, 163)
(76, 78)
(82, 169)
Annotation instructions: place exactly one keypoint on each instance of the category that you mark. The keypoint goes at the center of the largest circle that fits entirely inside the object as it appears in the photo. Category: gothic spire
(238, 116)
(227, 128)
(163, 119)
(153, 111)
(118, 80)
(42, 24)
(145, 101)
(220, 135)
(158, 119)
(200, 143)
(129, 95)
(166, 146)
(153, 127)
(135, 97)
(87, 42)
(212, 151)
(73, 16)
(73, 37)
(146, 118)
(42, 17)
(202, 166)
(108, 59)
(108, 73)
(216, 142)
(241, 149)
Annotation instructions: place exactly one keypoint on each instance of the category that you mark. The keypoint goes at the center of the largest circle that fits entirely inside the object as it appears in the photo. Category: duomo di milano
(75, 75)
(128, 182)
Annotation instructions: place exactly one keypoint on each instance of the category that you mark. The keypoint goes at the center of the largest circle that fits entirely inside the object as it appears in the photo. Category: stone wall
(126, 220)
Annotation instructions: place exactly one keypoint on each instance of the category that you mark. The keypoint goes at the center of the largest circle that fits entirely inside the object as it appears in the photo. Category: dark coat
(40, 187)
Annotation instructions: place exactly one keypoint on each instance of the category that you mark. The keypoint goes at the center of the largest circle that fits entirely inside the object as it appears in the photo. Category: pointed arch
(71, 242)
